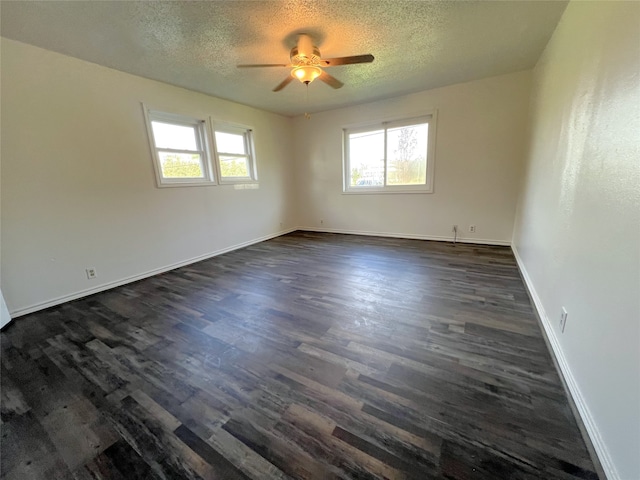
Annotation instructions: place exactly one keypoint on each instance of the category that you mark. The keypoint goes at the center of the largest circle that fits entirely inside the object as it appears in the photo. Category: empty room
(356, 239)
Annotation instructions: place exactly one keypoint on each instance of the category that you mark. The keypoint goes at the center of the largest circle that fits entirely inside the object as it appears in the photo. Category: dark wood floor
(308, 356)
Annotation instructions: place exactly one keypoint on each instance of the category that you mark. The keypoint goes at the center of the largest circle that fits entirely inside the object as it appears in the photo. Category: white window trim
(249, 145)
(204, 140)
(430, 117)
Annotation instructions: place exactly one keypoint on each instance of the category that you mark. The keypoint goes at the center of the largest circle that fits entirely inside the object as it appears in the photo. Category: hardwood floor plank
(27, 451)
(246, 459)
(223, 468)
(119, 461)
(314, 433)
(413, 469)
(282, 453)
(13, 402)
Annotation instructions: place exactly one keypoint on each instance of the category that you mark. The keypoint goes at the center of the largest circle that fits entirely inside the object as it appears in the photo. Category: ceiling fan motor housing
(309, 57)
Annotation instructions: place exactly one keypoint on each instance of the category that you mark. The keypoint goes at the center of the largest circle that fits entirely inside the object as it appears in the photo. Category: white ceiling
(417, 45)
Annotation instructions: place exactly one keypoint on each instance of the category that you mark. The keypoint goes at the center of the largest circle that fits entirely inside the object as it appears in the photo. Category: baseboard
(595, 444)
(411, 236)
(134, 278)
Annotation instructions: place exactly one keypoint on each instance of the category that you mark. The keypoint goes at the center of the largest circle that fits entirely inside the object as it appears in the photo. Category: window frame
(202, 130)
(429, 118)
(249, 146)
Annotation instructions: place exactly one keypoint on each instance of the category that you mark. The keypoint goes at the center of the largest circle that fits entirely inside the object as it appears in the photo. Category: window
(234, 151)
(390, 157)
(188, 151)
(180, 149)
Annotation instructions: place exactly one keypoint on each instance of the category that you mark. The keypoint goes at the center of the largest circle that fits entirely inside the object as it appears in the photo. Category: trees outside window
(392, 157)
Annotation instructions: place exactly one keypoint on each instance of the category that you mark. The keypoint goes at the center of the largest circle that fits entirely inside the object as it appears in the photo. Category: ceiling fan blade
(329, 80)
(260, 65)
(333, 62)
(283, 84)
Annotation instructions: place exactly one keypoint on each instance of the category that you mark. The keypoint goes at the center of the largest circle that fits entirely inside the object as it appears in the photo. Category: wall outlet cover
(563, 319)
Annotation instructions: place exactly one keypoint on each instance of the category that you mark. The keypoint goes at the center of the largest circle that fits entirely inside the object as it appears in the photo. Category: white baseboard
(123, 281)
(411, 236)
(579, 401)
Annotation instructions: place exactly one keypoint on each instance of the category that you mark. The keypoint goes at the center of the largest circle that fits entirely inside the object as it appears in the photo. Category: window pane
(178, 137)
(234, 166)
(366, 158)
(230, 143)
(407, 155)
(181, 165)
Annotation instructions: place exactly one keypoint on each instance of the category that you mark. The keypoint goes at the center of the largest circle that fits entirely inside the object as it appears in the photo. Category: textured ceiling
(417, 45)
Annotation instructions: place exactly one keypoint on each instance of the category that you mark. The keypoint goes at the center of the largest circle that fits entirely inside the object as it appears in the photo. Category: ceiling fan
(307, 64)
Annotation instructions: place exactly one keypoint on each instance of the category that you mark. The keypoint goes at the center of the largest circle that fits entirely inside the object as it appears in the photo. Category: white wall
(479, 155)
(578, 228)
(78, 187)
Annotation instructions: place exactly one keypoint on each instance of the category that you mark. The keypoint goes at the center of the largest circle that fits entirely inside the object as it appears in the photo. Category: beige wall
(479, 154)
(578, 228)
(78, 186)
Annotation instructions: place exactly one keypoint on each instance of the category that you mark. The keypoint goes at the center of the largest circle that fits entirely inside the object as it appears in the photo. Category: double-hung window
(190, 151)
(390, 157)
(234, 151)
(180, 148)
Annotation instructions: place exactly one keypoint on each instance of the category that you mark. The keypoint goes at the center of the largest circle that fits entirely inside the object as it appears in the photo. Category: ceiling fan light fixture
(306, 73)
(306, 64)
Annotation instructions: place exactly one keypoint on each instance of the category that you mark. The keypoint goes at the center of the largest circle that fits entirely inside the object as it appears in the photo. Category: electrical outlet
(321, 222)
(472, 228)
(91, 273)
(563, 319)
(454, 228)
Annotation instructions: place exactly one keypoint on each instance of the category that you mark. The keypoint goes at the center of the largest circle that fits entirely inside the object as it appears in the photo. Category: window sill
(186, 184)
(373, 191)
(240, 181)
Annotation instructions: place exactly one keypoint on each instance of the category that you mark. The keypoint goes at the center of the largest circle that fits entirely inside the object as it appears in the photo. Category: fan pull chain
(306, 114)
